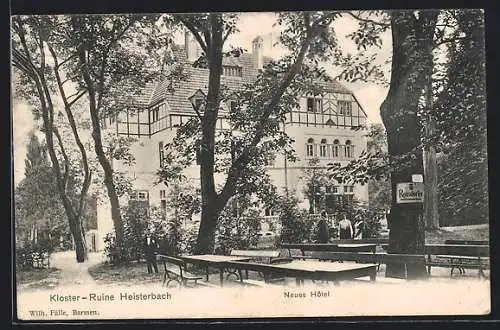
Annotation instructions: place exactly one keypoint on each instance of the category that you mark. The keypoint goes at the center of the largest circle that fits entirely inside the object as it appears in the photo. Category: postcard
(250, 165)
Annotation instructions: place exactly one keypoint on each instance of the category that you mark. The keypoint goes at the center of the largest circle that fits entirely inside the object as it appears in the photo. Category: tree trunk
(79, 239)
(412, 49)
(431, 214)
(210, 209)
(94, 107)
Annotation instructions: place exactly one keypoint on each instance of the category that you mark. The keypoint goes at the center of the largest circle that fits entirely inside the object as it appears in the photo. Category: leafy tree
(35, 82)
(379, 191)
(40, 214)
(295, 225)
(460, 111)
(91, 59)
(260, 109)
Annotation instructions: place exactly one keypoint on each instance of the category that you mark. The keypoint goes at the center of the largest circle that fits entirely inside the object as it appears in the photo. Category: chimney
(193, 48)
(258, 52)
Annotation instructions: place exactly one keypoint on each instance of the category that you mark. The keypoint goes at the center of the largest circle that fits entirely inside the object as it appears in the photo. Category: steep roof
(197, 79)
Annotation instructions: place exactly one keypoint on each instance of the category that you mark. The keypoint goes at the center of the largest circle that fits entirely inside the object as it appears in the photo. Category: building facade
(322, 128)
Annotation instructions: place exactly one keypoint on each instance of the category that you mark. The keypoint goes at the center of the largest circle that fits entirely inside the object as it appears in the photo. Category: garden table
(212, 260)
(311, 270)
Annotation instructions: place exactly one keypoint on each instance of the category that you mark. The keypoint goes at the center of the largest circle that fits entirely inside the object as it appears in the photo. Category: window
(198, 102)
(163, 194)
(142, 195)
(348, 189)
(322, 148)
(314, 104)
(336, 148)
(232, 106)
(310, 147)
(233, 71)
(269, 212)
(345, 108)
(133, 195)
(349, 149)
(162, 153)
(154, 114)
(139, 195)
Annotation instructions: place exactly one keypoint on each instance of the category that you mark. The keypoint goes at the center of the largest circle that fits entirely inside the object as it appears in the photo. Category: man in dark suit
(323, 231)
(150, 249)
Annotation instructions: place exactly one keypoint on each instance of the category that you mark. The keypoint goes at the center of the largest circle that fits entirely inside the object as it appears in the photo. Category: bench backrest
(256, 253)
(172, 260)
(328, 247)
(458, 250)
(377, 241)
(365, 257)
(465, 242)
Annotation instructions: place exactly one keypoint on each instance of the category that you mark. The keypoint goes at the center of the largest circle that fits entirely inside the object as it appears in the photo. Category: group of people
(346, 230)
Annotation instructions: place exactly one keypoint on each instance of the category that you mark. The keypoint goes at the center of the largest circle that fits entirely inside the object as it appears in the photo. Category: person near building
(359, 229)
(150, 250)
(346, 231)
(323, 230)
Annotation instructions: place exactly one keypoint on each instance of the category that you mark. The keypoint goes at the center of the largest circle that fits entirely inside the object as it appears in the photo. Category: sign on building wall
(409, 192)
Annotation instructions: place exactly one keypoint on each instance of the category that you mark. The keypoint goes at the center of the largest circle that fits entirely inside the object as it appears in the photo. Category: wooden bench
(458, 256)
(177, 272)
(366, 257)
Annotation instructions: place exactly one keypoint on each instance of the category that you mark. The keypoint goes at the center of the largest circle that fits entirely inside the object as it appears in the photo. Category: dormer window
(232, 71)
(197, 100)
(345, 108)
(314, 104)
(154, 114)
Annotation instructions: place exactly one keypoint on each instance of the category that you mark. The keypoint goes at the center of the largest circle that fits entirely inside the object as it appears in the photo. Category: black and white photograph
(228, 165)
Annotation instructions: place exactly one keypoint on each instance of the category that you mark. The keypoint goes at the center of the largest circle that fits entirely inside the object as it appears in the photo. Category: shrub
(34, 255)
(296, 226)
(237, 230)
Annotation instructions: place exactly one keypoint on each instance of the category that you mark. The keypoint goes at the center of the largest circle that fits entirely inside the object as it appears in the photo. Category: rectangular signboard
(409, 192)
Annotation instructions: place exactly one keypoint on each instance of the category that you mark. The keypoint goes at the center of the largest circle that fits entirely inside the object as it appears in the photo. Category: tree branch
(65, 156)
(447, 40)
(367, 20)
(243, 159)
(193, 29)
(72, 122)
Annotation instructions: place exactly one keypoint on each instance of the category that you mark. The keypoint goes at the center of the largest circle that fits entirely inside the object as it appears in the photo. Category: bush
(296, 226)
(34, 255)
(237, 231)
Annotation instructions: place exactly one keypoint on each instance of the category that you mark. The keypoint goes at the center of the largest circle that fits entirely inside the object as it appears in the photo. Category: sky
(369, 95)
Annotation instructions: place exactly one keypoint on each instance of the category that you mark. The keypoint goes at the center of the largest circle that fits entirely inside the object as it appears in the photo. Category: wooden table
(333, 271)
(212, 260)
(311, 270)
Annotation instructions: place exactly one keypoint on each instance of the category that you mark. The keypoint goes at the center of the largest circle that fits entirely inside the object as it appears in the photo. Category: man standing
(150, 249)
(345, 228)
(323, 230)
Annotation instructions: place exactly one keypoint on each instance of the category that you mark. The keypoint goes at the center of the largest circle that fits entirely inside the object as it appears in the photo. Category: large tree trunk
(431, 214)
(412, 46)
(94, 107)
(210, 209)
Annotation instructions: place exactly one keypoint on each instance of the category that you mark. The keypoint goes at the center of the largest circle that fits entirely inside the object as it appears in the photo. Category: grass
(440, 235)
(38, 277)
(127, 274)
